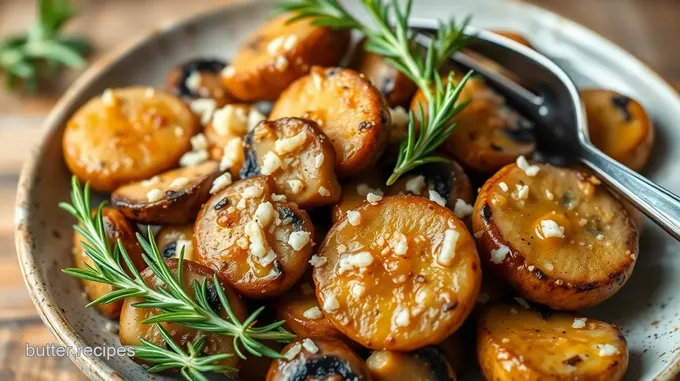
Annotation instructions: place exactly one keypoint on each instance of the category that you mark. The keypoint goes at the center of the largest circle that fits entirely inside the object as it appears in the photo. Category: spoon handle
(658, 203)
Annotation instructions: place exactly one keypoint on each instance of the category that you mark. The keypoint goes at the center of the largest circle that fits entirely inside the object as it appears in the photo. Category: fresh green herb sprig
(23, 57)
(396, 43)
(170, 298)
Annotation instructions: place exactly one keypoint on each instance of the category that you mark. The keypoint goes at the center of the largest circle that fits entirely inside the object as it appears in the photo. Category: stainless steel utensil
(553, 103)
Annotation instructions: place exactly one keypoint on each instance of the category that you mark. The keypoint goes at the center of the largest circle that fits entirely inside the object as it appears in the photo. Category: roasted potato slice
(349, 110)
(300, 158)
(318, 358)
(448, 180)
(619, 126)
(171, 239)
(127, 135)
(402, 275)
(425, 364)
(117, 227)
(260, 246)
(278, 53)
(396, 87)
(489, 134)
(555, 235)
(132, 329)
(300, 309)
(198, 79)
(173, 197)
(514, 343)
(514, 36)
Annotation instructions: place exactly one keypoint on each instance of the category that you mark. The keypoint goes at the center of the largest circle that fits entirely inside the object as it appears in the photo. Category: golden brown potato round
(278, 53)
(198, 79)
(127, 135)
(514, 343)
(349, 110)
(395, 86)
(260, 246)
(173, 197)
(558, 237)
(425, 364)
(317, 358)
(172, 238)
(300, 309)
(402, 275)
(131, 318)
(117, 227)
(514, 36)
(489, 134)
(447, 179)
(619, 126)
(300, 158)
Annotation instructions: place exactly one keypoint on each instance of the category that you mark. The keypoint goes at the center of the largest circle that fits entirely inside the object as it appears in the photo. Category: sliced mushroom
(198, 79)
(425, 364)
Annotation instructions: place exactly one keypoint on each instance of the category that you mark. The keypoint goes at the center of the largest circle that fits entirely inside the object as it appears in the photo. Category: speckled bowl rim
(49, 312)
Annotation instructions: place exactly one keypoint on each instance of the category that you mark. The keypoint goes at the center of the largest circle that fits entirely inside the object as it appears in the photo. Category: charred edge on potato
(439, 176)
(437, 361)
(621, 102)
(221, 204)
(323, 368)
(287, 216)
(250, 167)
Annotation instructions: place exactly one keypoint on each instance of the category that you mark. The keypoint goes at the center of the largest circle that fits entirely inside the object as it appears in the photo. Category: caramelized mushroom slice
(127, 135)
(619, 126)
(198, 79)
(278, 53)
(259, 245)
(489, 134)
(173, 197)
(403, 274)
(555, 235)
(171, 239)
(514, 343)
(318, 359)
(117, 227)
(298, 156)
(347, 108)
(425, 364)
(132, 329)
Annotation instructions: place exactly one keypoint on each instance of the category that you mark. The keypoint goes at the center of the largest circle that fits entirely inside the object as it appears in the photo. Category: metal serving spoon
(555, 106)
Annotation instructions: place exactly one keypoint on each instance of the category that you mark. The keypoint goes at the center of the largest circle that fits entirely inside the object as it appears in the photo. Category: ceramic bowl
(647, 309)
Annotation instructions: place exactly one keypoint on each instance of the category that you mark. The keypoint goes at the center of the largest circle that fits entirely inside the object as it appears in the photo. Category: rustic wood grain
(647, 28)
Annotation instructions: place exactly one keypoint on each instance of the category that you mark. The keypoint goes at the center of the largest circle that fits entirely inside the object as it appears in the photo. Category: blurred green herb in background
(27, 57)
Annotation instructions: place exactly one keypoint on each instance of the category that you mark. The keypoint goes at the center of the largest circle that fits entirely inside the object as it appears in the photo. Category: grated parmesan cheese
(252, 191)
(270, 163)
(318, 160)
(290, 144)
(399, 243)
(179, 183)
(292, 351)
(232, 154)
(309, 346)
(317, 261)
(415, 185)
(204, 108)
(230, 119)
(348, 262)
(228, 71)
(193, 81)
(295, 186)
(330, 303)
(220, 183)
(193, 158)
(462, 209)
(323, 192)
(154, 195)
(448, 251)
(199, 142)
(402, 317)
(579, 323)
(298, 240)
(281, 63)
(522, 192)
(108, 98)
(354, 217)
(265, 214)
(254, 118)
(434, 196)
(313, 313)
(373, 198)
(279, 197)
(529, 170)
(607, 350)
(549, 195)
(550, 229)
(358, 290)
(498, 255)
(503, 186)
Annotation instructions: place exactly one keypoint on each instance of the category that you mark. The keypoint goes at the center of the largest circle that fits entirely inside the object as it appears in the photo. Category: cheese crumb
(448, 250)
(292, 351)
(259, 247)
(530, 170)
(295, 186)
(265, 214)
(281, 63)
(549, 195)
(290, 42)
(228, 71)
(402, 317)
(313, 313)
(193, 81)
(154, 195)
(462, 209)
(152, 181)
(252, 191)
(287, 145)
(330, 303)
(607, 350)
(149, 93)
(193, 158)
(270, 163)
(318, 160)
(549, 267)
(309, 346)
(373, 198)
(348, 262)
(220, 183)
(204, 108)
(434, 196)
(522, 192)
(298, 240)
(323, 192)
(108, 98)
(179, 182)
(232, 154)
(479, 234)
(415, 185)
(550, 229)
(358, 290)
(354, 217)
(498, 255)
(579, 323)
(399, 243)
(279, 197)
(275, 45)
(199, 142)
(254, 118)
(317, 261)
(503, 186)
(230, 119)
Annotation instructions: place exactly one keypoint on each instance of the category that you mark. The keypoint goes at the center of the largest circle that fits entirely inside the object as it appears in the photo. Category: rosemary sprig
(396, 43)
(22, 57)
(174, 303)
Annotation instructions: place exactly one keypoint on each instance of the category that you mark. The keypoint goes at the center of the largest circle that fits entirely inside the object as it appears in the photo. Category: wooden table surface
(647, 28)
